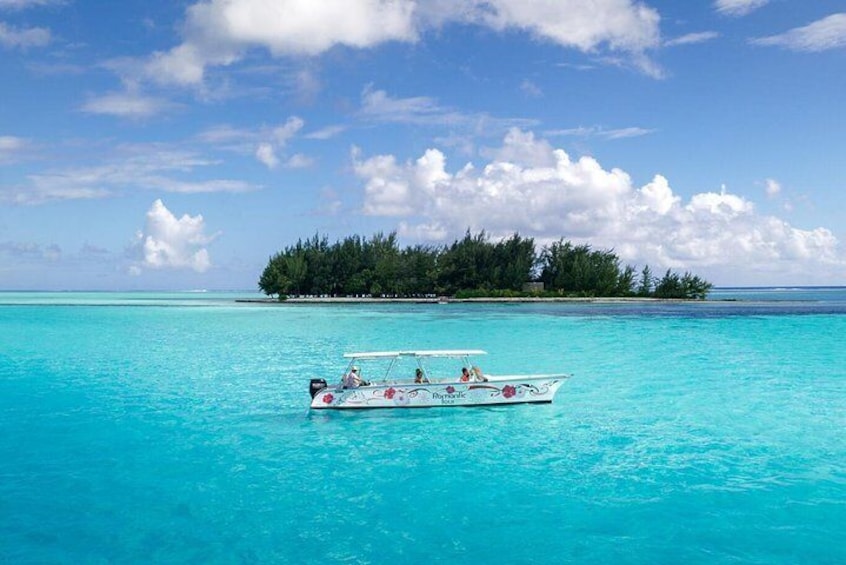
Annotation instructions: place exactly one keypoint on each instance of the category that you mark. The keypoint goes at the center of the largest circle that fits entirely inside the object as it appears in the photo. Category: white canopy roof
(423, 353)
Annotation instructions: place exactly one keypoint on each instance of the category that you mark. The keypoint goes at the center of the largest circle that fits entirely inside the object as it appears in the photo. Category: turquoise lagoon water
(175, 428)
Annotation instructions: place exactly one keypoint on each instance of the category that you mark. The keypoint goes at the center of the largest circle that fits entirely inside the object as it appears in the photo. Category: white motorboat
(417, 379)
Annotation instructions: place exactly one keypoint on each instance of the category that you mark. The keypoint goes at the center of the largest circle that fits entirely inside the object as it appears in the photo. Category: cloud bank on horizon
(531, 187)
(269, 121)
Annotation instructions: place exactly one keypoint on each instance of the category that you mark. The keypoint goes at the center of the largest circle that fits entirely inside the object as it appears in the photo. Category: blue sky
(177, 145)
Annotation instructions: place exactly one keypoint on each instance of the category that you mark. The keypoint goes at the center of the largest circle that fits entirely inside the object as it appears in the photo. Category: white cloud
(738, 7)
(9, 143)
(21, 4)
(530, 89)
(307, 85)
(220, 32)
(12, 148)
(821, 35)
(327, 132)
(129, 167)
(622, 24)
(692, 38)
(183, 65)
(379, 106)
(23, 38)
(170, 243)
(286, 131)
(536, 189)
(199, 187)
(127, 105)
(277, 139)
(772, 187)
(599, 131)
(623, 27)
(267, 155)
(299, 161)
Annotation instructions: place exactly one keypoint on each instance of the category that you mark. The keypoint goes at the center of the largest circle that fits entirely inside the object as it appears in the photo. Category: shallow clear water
(176, 428)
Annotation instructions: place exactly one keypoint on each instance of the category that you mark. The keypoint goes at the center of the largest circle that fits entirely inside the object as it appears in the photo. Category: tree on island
(470, 267)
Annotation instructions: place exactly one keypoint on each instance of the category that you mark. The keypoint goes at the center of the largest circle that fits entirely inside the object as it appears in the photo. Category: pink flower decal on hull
(389, 394)
(450, 389)
(508, 391)
(328, 398)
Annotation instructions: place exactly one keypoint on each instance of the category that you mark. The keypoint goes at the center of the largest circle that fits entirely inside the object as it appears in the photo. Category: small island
(473, 267)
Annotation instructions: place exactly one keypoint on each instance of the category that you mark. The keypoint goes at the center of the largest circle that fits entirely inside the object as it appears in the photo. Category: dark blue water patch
(693, 309)
(780, 293)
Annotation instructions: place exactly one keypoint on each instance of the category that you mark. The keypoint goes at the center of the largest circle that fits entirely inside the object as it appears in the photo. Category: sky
(176, 145)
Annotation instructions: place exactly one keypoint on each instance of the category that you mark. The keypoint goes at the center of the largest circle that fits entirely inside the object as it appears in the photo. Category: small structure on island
(533, 286)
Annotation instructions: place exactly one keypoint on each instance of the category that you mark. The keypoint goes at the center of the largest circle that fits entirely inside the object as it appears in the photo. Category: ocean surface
(175, 428)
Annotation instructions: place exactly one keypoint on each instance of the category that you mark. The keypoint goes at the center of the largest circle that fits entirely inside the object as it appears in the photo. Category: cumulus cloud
(168, 242)
(821, 35)
(23, 38)
(772, 187)
(539, 190)
(738, 7)
(221, 32)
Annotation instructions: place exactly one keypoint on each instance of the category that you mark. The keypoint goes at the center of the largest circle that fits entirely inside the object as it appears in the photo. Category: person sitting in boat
(465, 375)
(419, 377)
(353, 379)
(477, 374)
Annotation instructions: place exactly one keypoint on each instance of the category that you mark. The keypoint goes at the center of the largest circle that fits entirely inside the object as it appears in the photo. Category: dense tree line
(472, 266)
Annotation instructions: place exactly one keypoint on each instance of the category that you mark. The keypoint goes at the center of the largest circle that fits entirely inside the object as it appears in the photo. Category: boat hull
(497, 390)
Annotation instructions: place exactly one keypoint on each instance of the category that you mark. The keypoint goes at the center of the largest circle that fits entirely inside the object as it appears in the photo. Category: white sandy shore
(442, 300)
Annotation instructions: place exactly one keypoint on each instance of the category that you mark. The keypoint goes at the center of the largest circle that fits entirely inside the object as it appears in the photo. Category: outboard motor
(316, 386)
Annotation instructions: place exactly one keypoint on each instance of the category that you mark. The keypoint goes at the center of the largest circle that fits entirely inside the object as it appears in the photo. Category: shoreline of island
(475, 300)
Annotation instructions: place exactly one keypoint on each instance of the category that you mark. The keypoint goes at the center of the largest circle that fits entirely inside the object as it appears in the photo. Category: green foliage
(686, 286)
(647, 282)
(470, 267)
(579, 270)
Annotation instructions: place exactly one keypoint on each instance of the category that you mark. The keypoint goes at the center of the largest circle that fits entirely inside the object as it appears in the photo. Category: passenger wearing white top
(353, 379)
